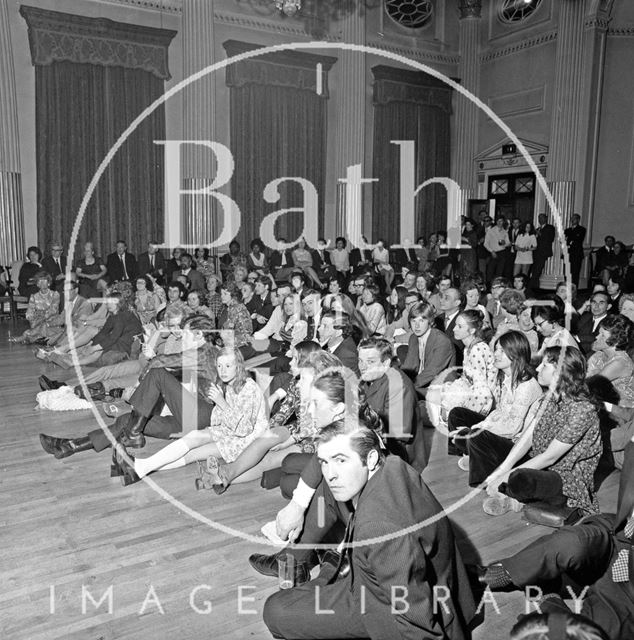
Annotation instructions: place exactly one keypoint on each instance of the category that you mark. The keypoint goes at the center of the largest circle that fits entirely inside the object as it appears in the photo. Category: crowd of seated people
(531, 389)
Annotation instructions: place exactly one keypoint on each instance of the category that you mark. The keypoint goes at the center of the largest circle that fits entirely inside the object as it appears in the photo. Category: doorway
(514, 195)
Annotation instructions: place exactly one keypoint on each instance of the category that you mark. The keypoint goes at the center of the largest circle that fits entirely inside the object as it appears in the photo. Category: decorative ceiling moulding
(519, 46)
(270, 26)
(295, 69)
(161, 6)
(64, 37)
(623, 31)
(418, 54)
(392, 84)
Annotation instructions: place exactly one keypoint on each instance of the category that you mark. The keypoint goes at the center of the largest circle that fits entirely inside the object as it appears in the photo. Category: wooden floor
(66, 526)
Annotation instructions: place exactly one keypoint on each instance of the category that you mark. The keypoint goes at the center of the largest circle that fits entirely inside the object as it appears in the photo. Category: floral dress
(147, 306)
(303, 429)
(42, 310)
(245, 420)
(624, 385)
(574, 422)
(235, 318)
(474, 389)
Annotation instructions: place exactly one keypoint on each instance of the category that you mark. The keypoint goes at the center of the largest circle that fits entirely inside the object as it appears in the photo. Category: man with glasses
(356, 289)
(55, 264)
(494, 307)
(588, 326)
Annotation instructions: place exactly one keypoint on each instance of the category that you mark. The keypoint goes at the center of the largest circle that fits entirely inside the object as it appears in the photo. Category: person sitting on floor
(595, 553)
(484, 439)
(381, 499)
(554, 460)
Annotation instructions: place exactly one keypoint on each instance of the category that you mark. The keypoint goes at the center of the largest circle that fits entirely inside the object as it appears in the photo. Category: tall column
(199, 111)
(351, 110)
(465, 131)
(565, 142)
(12, 242)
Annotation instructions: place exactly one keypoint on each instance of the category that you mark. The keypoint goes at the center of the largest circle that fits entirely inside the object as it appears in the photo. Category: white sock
(166, 458)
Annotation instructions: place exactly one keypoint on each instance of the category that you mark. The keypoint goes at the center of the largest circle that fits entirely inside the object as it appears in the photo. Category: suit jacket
(439, 355)
(196, 279)
(403, 257)
(118, 332)
(585, 333)
(276, 260)
(115, 268)
(50, 266)
(394, 499)
(320, 262)
(545, 239)
(393, 397)
(604, 259)
(574, 239)
(439, 321)
(144, 266)
(355, 258)
(347, 353)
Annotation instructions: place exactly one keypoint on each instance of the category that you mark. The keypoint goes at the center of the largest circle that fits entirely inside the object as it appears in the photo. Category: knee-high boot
(133, 433)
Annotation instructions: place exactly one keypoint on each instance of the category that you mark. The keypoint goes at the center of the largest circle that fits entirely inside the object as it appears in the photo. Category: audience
(386, 344)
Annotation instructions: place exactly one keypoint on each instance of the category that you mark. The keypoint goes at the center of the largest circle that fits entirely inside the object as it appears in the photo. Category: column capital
(470, 8)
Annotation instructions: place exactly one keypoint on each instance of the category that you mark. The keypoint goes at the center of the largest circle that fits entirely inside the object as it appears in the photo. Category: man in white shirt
(498, 244)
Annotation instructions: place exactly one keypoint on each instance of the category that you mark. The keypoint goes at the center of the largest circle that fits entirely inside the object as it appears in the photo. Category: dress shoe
(267, 566)
(128, 474)
(64, 447)
(46, 384)
(116, 393)
(133, 433)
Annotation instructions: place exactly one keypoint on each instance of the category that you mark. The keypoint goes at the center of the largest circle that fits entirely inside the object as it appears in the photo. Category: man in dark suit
(450, 303)
(588, 325)
(429, 351)
(605, 260)
(596, 553)
(195, 278)
(392, 395)
(121, 264)
(575, 235)
(321, 261)
(545, 238)
(173, 264)
(281, 263)
(361, 259)
(262, 286)
(152, 262)
(55, 264)
(393, 585)
(335, 336)
(403, 256)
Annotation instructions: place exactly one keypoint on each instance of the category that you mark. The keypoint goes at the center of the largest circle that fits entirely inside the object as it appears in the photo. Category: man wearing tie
(121, 265)
(596, 552)
(55, 264)
(152, 262)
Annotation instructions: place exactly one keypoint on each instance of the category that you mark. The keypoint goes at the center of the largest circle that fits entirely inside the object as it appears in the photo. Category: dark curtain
(81, 110)
(409, 106)
(278, 129)
(93, 77)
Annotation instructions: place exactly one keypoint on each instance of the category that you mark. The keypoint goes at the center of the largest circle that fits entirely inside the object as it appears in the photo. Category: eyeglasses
(539, 324)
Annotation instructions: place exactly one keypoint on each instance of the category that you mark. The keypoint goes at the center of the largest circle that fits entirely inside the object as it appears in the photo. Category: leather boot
(133, 433)
(64, 447)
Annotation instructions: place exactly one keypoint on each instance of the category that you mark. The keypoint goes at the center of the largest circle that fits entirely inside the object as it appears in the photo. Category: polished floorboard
(168, 561)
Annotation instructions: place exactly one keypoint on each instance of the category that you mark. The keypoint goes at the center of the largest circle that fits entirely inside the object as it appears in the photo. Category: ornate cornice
(624, 30)
(162, 6)
(417, 54)
(470, 8)
(271, 26)
(65, 37)
(518, 46)
(597, 22)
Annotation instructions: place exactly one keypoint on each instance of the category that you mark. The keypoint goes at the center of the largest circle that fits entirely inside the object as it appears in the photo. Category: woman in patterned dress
(43, 309)
(291, 430)
(610, 360)
(555, 459)
(238, 418)
(146, 302)
(474, 389)
(235, 320)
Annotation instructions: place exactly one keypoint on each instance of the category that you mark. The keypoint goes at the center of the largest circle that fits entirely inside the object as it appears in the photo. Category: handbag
(549, 516)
